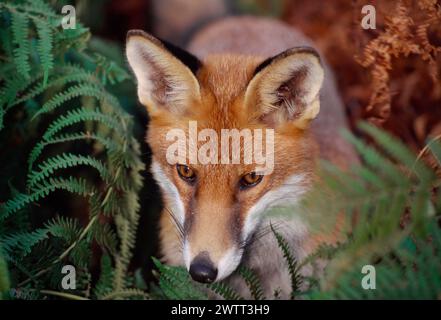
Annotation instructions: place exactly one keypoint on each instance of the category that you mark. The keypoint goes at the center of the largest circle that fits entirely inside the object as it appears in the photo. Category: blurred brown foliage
(389, 75)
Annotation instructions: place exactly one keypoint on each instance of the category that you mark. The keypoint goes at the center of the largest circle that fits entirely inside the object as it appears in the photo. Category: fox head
(216, 208)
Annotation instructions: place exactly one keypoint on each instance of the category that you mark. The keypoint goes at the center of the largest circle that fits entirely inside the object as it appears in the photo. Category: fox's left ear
(286, 88)
(165, 73)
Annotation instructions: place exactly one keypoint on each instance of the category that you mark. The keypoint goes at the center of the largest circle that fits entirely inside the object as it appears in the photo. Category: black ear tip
(305, 49)
(286, 53)
(133, 33)
(142, 34)
(187, 58)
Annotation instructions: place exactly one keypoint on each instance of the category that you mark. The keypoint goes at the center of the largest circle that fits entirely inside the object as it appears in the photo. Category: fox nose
(202, 269)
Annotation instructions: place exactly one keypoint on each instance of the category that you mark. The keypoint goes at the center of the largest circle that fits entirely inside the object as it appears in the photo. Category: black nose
(202, 269)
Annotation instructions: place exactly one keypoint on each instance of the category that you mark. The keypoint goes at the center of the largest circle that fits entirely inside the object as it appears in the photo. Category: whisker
(262, 232)
(177, 224)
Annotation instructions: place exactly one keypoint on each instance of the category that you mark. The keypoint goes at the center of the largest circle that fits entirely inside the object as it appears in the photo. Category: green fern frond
(41, 190)
(127, 294)
(253, 282)
(13, 86)
(105, 237)
(41, 7)
(82, 115)
(65, 228)
(296, 278)
(224, 291)
(44, 48)
(81, 255)
(399, 151)
(22, 242)
(20, 33)
(60, 77)
(64, 161)
(176, 283)
(109, 145)
(105, 283)
(126, 232)
(77, 91)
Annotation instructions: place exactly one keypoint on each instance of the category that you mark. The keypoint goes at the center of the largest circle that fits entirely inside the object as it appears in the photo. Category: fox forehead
(226, 76)
(223, 80)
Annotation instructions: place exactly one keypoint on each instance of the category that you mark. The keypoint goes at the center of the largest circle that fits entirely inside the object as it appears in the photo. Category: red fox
(243, 72)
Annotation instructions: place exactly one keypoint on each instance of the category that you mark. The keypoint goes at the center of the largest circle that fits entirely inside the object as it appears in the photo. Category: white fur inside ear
(142, 69)
(290, 67)
(162, 78)
(302, 75)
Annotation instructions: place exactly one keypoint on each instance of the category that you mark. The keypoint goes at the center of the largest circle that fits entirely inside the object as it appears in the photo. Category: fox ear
(165, 73)
(286, 88)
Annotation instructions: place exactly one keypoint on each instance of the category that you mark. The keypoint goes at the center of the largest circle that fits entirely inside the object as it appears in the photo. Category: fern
(380, 200)
(106, 238)
(175, 283)
(65, 228)
(74, 92)
(64, 75)
(21, 53)
(109, 144)
(409, 275)
(21, 244)
(82, 115)
(253, 282)
(104, 285)
(296, 279)
(63, 161)
(44, 48)
(49, 72)
(225, 291)
(73, 185)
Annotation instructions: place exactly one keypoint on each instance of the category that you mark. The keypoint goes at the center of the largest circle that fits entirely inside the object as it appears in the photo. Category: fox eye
(250, 179)
(185, 172)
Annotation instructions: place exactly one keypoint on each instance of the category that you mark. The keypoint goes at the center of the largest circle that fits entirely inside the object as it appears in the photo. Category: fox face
(213, 210)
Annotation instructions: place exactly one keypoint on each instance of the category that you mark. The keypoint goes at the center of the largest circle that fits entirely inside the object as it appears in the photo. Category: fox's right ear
(165, 73)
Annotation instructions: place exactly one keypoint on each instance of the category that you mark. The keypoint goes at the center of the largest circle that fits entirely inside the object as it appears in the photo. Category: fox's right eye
(185, 172)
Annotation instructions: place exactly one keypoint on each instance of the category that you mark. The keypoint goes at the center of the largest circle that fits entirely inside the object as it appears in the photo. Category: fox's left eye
(185, 172)
(250, 179)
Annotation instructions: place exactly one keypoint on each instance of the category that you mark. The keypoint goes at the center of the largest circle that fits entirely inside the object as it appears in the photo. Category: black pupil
(185, 171)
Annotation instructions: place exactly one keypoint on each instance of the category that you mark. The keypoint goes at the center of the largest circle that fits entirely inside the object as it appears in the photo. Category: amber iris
(250, 179)
(185, 172)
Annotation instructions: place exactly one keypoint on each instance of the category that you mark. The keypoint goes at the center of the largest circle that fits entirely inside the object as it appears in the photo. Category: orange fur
(232, 90)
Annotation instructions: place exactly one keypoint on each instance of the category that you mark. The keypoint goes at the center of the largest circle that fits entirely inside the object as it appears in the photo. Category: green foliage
(394, 197)
(63, 134)
(253, 282)
(175, 283)
(224, 291)
(296, 279)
